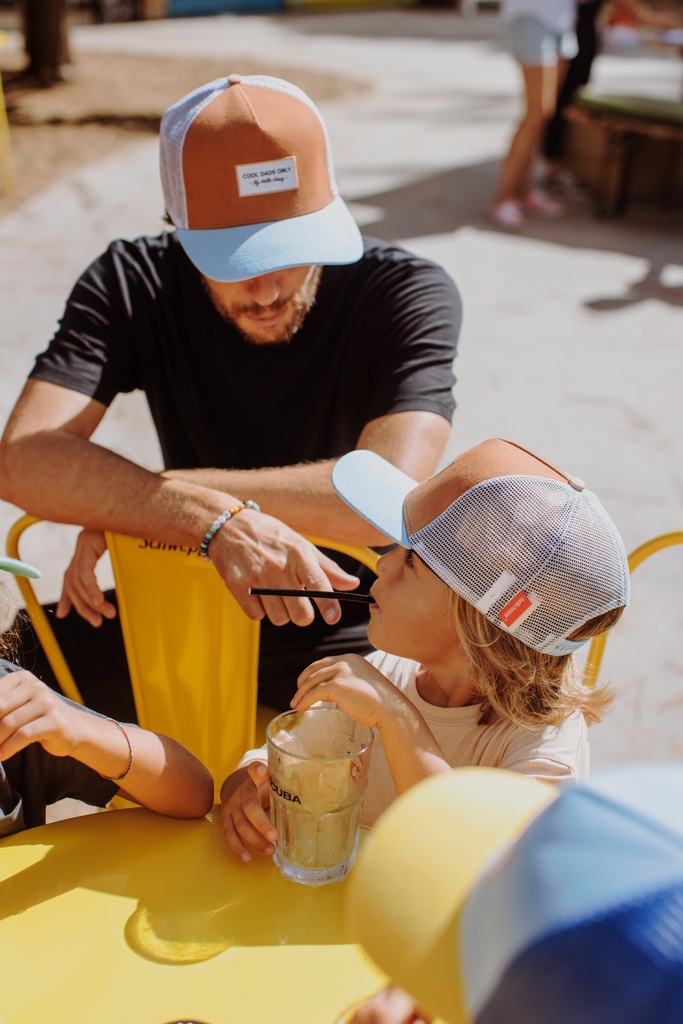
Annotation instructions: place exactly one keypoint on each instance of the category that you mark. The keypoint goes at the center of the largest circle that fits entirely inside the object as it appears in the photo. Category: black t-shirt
(33, 779)
(381, 338)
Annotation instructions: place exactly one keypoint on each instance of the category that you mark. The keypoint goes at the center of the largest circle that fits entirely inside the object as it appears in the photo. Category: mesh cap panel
(535, 556)
(174, 127)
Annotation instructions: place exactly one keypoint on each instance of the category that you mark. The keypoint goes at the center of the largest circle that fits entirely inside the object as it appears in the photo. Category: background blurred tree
(46, 39)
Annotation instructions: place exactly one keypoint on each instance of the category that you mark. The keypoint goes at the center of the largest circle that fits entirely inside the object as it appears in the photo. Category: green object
(18, 568)
(645, 108)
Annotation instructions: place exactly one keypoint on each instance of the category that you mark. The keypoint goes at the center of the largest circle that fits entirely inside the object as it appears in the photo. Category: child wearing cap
(51, 748)
(504, 566)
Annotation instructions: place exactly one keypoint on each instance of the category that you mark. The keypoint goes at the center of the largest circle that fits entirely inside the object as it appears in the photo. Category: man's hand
(250, 550)
(244, 799)
(354, 685)
(80, 589)
(255, 550)
(30, 712)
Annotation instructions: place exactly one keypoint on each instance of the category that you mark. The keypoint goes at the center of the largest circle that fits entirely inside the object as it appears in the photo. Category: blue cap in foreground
(577, 920)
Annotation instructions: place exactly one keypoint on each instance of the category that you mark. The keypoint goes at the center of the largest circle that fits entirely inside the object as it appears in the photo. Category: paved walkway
(573, 335)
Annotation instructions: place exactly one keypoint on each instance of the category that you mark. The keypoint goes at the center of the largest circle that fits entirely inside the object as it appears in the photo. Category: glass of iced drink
(318, 763)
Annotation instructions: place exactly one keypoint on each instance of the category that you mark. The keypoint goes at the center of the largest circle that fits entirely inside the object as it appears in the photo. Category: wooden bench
(628, 124)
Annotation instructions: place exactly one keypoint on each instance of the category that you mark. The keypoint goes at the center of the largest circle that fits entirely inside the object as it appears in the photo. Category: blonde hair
(8, 637)
(8, 643)
(521, 684)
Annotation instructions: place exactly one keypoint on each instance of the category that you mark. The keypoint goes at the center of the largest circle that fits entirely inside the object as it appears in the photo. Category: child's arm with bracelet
(359, 689)
(153, 770)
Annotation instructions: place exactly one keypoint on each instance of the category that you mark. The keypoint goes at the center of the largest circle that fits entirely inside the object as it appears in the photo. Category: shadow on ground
(419, 23)
(449, 200)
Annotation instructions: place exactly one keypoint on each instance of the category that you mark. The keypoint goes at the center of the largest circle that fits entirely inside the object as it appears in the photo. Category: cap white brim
(376, 490)
(18, 568)
(328, 236)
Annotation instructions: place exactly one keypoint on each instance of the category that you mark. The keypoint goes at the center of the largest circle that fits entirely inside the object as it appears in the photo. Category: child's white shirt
(557, 754)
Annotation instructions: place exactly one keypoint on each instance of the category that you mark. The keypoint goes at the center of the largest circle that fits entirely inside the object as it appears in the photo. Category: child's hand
(244, 797)
(30, 712)
(389, 1006)
(354, 685)
(359, 689)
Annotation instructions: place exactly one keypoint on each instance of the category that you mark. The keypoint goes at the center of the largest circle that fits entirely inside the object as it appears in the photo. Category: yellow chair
(192, 652)
(38, 617)
(597, 647)
(7, 179)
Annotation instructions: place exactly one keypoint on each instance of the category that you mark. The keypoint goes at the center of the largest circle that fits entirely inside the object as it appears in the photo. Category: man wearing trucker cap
(270, 338)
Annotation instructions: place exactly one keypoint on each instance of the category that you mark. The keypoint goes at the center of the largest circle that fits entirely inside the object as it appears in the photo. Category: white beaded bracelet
(221, 521)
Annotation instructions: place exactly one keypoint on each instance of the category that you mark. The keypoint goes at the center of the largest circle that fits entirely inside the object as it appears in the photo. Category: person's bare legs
(517, 169)
(540, 95)
(554, 166)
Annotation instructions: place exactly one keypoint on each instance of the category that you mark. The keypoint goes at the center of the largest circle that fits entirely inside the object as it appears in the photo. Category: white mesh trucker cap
(248, 180)
(529, 546)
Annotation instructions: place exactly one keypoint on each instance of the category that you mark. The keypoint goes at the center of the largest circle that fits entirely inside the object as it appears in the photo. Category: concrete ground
(573, 334)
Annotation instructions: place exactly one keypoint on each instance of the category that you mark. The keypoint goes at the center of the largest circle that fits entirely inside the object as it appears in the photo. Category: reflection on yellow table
(128, 917)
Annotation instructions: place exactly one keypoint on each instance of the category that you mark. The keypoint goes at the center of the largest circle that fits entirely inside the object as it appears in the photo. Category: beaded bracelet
(117, 778)
(221, 521)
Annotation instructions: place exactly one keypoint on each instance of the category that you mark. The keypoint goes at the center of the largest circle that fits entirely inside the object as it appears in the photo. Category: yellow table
(127, 917)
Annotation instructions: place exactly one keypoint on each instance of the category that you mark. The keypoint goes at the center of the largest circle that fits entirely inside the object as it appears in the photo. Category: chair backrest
(53, 651)
(192, 652)
(649, 547)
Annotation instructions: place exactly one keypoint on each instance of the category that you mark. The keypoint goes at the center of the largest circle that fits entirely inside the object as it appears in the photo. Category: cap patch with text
(248, 180)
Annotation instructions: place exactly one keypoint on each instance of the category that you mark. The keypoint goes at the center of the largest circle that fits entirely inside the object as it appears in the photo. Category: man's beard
(300, 304)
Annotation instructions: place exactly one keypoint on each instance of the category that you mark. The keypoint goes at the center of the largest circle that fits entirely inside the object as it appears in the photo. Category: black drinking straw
(338, 595)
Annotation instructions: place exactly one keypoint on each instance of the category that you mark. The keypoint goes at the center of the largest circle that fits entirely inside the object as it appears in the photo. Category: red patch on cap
(516, 607)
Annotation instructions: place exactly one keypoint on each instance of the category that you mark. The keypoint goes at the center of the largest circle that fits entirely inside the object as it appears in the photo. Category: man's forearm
(66, 478)
(50, 468)
(301, 496)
